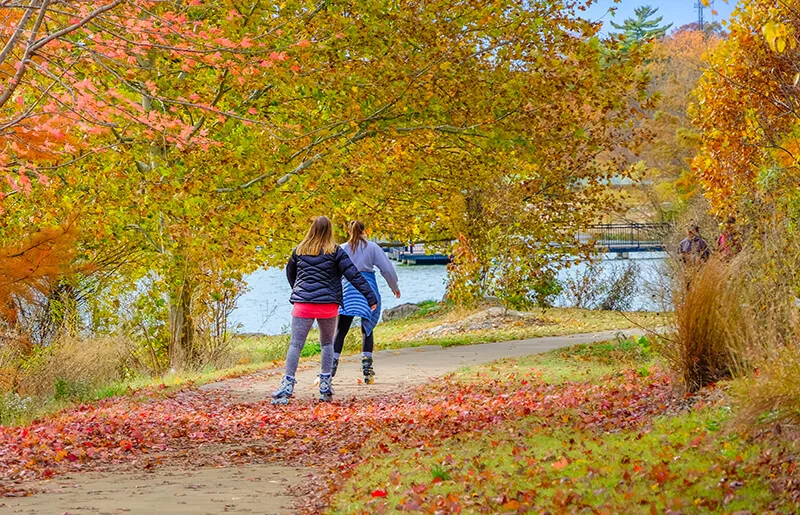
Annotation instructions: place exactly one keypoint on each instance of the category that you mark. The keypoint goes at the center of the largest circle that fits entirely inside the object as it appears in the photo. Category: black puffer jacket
(318, 279)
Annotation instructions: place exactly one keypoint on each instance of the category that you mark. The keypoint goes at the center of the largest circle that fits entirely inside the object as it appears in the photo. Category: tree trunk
(181, 327)
(61, 316)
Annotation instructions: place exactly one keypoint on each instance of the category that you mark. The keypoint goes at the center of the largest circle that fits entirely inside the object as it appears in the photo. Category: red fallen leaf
(379, 492)
(697, 441)
(418, 489)
(560, 464)
(126, 445)
(661, 474)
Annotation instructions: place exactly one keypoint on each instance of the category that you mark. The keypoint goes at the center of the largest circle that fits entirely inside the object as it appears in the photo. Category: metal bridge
(629, 237)
(620, 239)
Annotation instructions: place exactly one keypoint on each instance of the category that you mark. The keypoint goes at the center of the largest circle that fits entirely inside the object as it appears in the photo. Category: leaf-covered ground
(556, 432)
(251, 355)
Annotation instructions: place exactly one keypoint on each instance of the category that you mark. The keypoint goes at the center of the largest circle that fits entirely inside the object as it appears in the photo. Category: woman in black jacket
(315, 273)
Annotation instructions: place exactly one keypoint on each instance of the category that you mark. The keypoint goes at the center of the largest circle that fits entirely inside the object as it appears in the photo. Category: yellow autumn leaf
(771, 31)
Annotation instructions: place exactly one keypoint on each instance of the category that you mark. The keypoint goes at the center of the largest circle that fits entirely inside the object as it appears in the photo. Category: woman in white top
(365, 255)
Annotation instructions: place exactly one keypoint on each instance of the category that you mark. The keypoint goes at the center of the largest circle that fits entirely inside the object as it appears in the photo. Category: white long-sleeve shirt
(366, 258)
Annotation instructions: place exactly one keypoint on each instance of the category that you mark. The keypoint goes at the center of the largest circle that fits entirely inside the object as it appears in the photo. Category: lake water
(265, 307)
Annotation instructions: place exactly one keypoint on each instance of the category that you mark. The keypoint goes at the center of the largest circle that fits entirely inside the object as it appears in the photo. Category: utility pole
(701, 11)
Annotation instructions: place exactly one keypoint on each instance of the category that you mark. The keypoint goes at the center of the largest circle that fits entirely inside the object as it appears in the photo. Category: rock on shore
(401, 311)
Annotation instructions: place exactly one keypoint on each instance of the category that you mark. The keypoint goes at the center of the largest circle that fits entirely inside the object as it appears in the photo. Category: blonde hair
(319, 238)
(356, 231)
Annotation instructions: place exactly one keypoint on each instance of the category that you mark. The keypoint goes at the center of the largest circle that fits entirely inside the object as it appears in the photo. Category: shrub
(12, 405)
(71, 390)
(10, 354)
(591, 288)
(772, 392)
(585, 287)
(311, 349)
(622, 288)
(214, 302)
(428, 307)
(741, 317)
(544, 290)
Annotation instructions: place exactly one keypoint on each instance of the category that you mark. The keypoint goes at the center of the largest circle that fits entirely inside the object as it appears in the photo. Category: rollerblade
(334, 367)
(325, 388)
(366, 367)
(284, 391)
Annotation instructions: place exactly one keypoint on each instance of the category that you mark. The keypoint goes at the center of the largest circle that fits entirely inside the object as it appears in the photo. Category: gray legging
(300, 329)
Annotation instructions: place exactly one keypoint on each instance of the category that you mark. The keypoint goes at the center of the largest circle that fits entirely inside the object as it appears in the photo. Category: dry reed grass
(699, 352)
(8, 370)
(765, 340)
(741, 318)
(74, 362)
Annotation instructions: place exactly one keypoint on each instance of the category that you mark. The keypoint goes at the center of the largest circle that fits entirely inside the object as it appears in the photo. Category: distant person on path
(315, 273)
(728, 242)
(694, 249)
(366, 255)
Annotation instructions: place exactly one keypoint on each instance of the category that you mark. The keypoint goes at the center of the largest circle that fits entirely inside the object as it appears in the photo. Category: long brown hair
(319, 238)
(356, 231)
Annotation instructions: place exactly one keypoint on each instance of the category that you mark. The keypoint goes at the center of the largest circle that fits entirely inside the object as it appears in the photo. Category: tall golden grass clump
(765, 340)
(740, 318)
(72, 364)
(699, 352)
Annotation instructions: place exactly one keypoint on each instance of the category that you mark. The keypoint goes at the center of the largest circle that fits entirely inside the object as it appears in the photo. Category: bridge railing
(631, 236)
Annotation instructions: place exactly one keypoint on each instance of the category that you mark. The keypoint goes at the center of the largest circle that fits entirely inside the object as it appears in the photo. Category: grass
(582, 362)
(686, 463)
(666, 468)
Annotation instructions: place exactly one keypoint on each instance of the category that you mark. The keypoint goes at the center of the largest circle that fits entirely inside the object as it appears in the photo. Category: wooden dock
(620, 239)
(416, 255)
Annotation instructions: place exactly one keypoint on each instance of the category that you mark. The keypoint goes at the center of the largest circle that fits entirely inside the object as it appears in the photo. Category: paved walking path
(262, 488)
(398, 369)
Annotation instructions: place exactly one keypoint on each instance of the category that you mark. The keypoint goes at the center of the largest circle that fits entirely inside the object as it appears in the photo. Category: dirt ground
(201, 488)
(247, 489)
